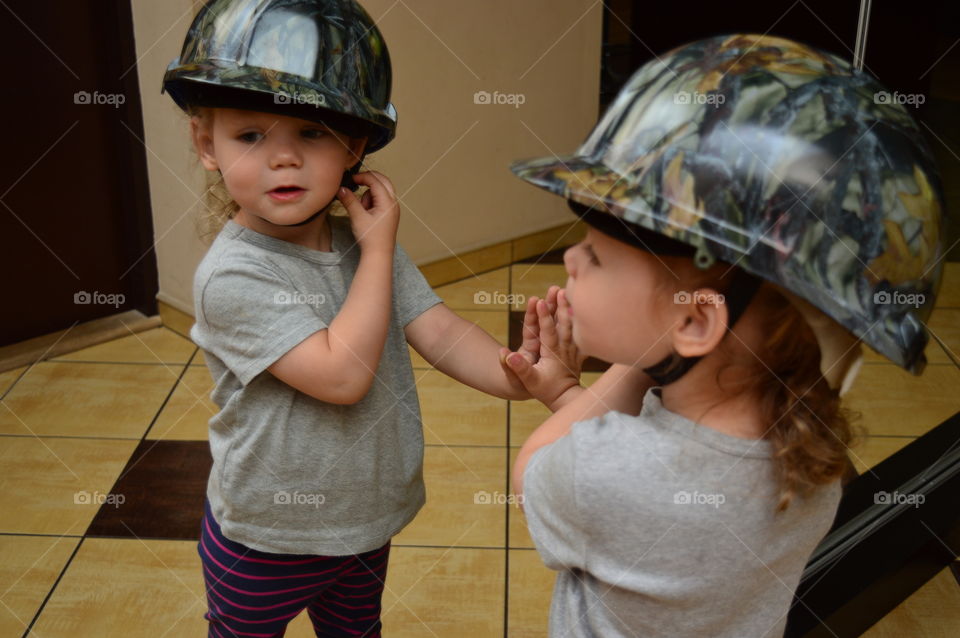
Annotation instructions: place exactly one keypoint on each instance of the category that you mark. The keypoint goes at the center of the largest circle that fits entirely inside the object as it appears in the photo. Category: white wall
(450, 158)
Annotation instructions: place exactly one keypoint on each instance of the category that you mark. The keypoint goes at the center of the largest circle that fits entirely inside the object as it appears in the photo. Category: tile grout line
(506, 453)
(53, 588)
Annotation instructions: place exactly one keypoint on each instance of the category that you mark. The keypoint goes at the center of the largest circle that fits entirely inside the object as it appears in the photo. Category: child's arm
(338, 364)
(464, 351)
(620, 388)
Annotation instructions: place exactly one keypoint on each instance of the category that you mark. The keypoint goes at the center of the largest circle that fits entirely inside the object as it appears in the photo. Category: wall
(450, 158)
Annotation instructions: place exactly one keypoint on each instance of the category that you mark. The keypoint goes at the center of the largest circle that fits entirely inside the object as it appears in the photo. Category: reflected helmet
(320, 60)
(782, 160)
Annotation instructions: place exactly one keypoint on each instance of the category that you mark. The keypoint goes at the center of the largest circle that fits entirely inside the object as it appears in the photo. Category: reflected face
(613, 292)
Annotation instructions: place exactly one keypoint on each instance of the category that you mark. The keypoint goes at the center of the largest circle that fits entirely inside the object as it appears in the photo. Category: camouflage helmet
(782, 160)
(320, 60)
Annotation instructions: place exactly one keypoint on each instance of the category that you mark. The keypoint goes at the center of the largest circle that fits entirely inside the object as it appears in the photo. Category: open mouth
(286, 192)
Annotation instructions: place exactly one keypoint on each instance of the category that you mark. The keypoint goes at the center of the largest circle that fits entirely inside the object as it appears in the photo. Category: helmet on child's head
(320, 60)
(782, 160)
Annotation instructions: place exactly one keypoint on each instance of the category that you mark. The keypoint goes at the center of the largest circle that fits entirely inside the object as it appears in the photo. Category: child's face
(279, 168)
(612, 289)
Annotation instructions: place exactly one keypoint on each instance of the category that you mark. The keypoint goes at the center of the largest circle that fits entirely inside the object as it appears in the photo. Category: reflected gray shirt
(292, 474)
(659, 526)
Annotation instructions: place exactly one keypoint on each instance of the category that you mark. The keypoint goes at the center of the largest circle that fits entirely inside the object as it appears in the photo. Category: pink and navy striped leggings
(253, 593)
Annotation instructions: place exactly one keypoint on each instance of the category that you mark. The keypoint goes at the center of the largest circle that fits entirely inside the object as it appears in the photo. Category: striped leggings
(253, 593)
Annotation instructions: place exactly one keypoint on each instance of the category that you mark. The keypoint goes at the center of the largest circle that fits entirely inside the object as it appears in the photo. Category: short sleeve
(551, 507)
(250, 315)
(411, 292)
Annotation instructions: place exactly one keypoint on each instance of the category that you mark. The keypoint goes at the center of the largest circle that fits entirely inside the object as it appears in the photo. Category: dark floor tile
(163, 487)
(516, 338)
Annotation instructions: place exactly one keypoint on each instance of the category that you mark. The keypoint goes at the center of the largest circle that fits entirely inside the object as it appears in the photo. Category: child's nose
(284, 155)
(569, 259)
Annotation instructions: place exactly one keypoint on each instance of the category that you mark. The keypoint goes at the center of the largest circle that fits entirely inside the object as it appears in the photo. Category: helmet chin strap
(741, 291)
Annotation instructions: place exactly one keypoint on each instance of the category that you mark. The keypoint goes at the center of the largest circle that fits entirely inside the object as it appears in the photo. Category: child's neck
(317, 235)
(698, 397)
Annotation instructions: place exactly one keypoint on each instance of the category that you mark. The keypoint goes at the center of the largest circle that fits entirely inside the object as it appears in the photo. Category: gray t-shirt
(660, 526)
(292, 474)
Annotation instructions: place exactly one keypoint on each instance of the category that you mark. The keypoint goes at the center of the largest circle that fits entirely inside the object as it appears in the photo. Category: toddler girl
(305, 318)
(754, 214)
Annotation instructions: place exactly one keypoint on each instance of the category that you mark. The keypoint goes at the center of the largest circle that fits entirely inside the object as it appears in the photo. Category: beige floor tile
(55, 485)
(876, 449)
(128, 587)
(187, 413)
(455, 414)
(933, 611)
(29, 565)
(945, 324)
(8, 378)
(892, 401)
(527, 280)
(444, 592)
(526, 416)
(517, 523)
(158, 345)
(493, 321)
(463, 487)
(531, 586)
(478, 293)
(86, 399)
(949, 294)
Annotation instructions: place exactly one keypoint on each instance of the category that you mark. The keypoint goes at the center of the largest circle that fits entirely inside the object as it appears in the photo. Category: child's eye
(314, 133)
(249, 137)
(591, 255)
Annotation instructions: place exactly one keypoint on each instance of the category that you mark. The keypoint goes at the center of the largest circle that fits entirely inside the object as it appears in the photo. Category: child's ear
(702, 322)
(357, 146)
(203, 142)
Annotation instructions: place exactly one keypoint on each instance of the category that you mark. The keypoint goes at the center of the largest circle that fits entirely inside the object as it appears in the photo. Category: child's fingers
(531, 329)
(378, 183)
(564, 322)
(367, 200)
(350, 202)
(551, 298)
(548, 328)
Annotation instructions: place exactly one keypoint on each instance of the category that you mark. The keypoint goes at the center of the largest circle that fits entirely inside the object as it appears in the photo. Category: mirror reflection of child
(739, 249)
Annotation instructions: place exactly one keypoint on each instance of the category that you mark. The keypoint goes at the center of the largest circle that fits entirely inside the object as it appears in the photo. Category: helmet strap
(740, 293)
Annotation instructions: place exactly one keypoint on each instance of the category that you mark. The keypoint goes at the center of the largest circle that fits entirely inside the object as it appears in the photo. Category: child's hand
(557, 369)
(375, 217)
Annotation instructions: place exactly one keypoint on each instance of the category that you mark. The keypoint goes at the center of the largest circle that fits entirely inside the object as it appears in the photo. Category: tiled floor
(127, 421)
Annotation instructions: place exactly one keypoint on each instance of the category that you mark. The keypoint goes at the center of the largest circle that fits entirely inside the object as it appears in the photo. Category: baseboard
(75, 338)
